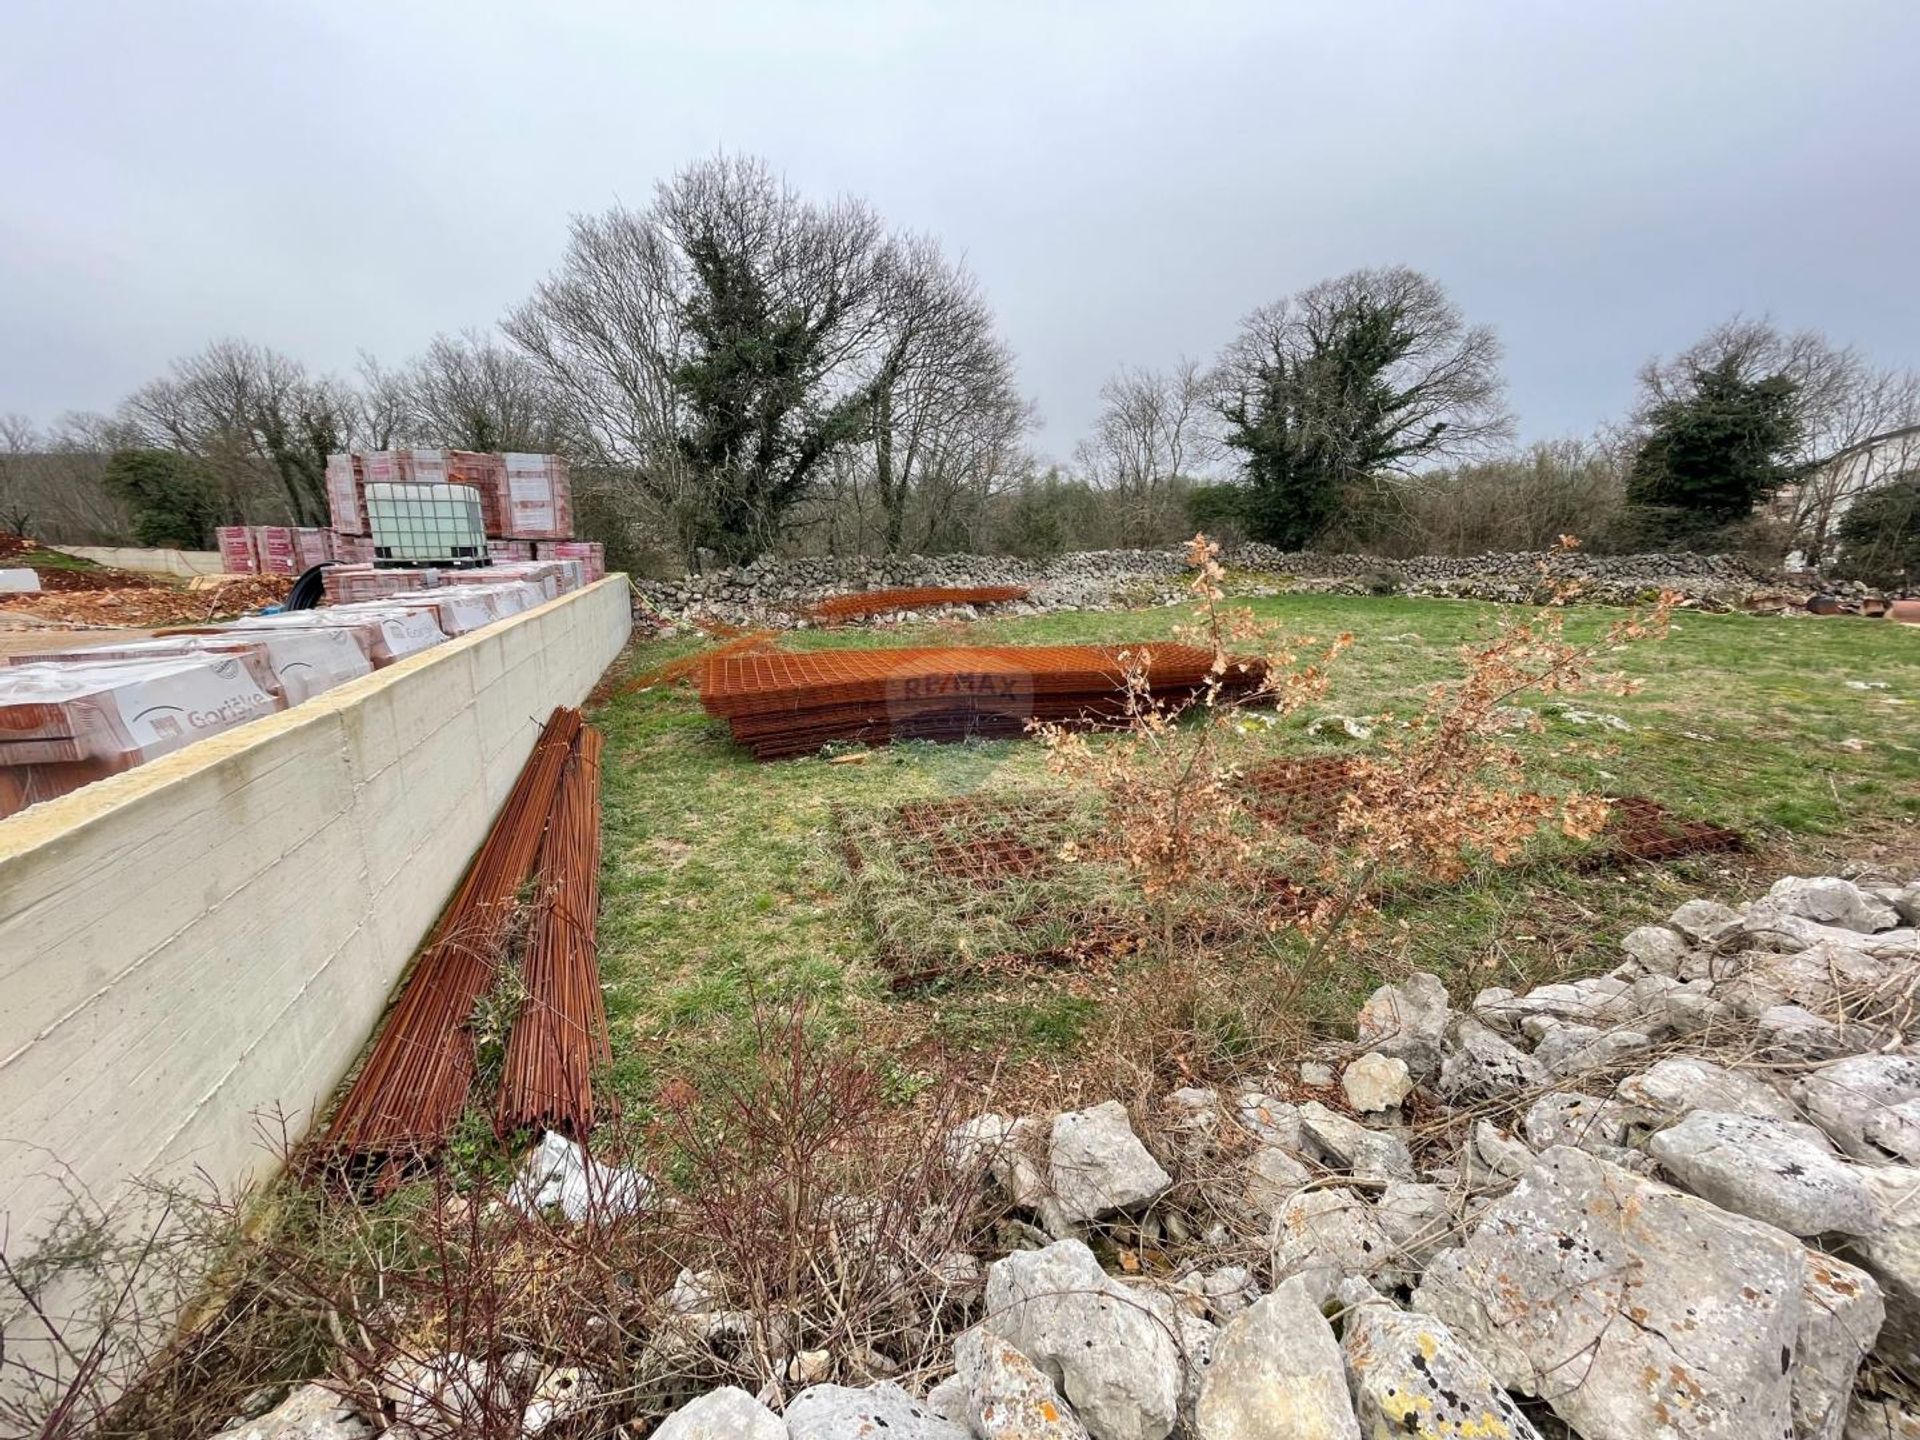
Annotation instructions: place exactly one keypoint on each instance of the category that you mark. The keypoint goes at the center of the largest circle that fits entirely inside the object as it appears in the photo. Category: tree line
(736, 369)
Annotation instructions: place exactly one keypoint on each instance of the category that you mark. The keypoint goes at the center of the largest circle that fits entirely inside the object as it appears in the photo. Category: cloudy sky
(1597, 180)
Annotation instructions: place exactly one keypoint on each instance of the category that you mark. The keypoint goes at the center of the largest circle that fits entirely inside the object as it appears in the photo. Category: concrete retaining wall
(211, 937)
(153, 562)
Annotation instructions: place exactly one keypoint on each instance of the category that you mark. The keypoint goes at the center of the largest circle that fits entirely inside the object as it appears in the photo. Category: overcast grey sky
(1598, 181)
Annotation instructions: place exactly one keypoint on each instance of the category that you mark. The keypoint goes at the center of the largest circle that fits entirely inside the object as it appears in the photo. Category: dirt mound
(150, 605)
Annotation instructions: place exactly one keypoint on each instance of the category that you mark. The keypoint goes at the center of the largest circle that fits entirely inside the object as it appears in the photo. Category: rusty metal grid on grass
(953, 885)
(1641, 828)
(785, 704)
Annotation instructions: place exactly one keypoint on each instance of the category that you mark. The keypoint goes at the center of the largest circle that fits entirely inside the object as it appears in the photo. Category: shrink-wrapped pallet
(123, 712)
(237, 553)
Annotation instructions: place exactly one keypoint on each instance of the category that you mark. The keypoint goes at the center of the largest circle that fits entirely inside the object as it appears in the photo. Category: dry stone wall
(778, 591)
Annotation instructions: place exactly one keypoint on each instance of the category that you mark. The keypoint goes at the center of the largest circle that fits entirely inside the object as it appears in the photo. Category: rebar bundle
(409, 1094)
(917, 597)
(792, 703)
(560, 1036)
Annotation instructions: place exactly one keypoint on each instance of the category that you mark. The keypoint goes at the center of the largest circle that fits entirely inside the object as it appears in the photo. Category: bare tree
(633, 329)
(1350, 382)
(470, 393)
(946, 415)
(19, 442)
(255, 420)
(1157, 428)
(383, 409)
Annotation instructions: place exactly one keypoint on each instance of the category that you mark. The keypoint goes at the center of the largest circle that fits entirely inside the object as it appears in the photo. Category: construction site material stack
(785, 704)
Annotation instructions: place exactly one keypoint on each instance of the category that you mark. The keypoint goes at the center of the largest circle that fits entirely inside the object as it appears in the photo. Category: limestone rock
(1843, 1315)
(1007, 1397)
(562, 1393)
(1098, 1166)
(1270, 1121)
(1670, 1088)
(1406, 1021)
(1276, 1375)
(1330, 1234)
(841, 1412)
(1345, 1144)
(1777, 1171)
(1790, 1033)
(1417, 1218)
(1569, 1048)
(1851, 1100)
(1582, 1121)
(311, 1412)
(1272, 1178)
(1499, 1152)
(1704, 922)
(1376, 1082)
(1624, 1303)
(1109, 1352)
(1829, 900)
(1874, 1419)
(1411, 1376)
(1892, 1256)
(1483, 1066)
(1004, 1149)
(448, 1390)
(729, 1413)
(1656, 949)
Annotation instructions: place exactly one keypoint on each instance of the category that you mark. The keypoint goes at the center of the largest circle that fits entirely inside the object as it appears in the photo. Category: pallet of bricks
(526, 502)
(273, 549)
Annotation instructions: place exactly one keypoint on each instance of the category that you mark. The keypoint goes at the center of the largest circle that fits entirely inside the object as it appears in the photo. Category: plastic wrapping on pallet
(237, 553)
(591, 553)
(540, 497)
(311, 547)
(387, 632)
(275, 546)
(460, 609)
(553, 578)
(124, 712)
(346, 481)
(486, 473)
(348, 583)
(292, 665)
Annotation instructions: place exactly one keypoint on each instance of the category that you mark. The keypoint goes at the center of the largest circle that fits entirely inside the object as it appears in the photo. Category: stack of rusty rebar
(417, 1081)
(787, 703)
(917, 597)
(559, 1039)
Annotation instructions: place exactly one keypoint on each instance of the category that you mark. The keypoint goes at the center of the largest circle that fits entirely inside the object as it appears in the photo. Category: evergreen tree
(1717, 449)
(1880, 535)
(1357, 377)
(174, 500)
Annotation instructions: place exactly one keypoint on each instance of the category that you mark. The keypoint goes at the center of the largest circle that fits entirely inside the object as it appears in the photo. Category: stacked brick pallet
(70, 717)
(526, 507)
(272, 549)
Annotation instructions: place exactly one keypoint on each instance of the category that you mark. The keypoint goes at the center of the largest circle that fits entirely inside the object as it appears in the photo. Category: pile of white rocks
(1681, 1199)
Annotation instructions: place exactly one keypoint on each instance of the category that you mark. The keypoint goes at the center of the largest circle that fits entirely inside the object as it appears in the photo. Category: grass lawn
(724, 882)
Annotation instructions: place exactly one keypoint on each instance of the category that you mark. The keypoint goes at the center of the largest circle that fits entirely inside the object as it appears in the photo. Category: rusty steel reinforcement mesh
(792, 703)
(917, 597)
